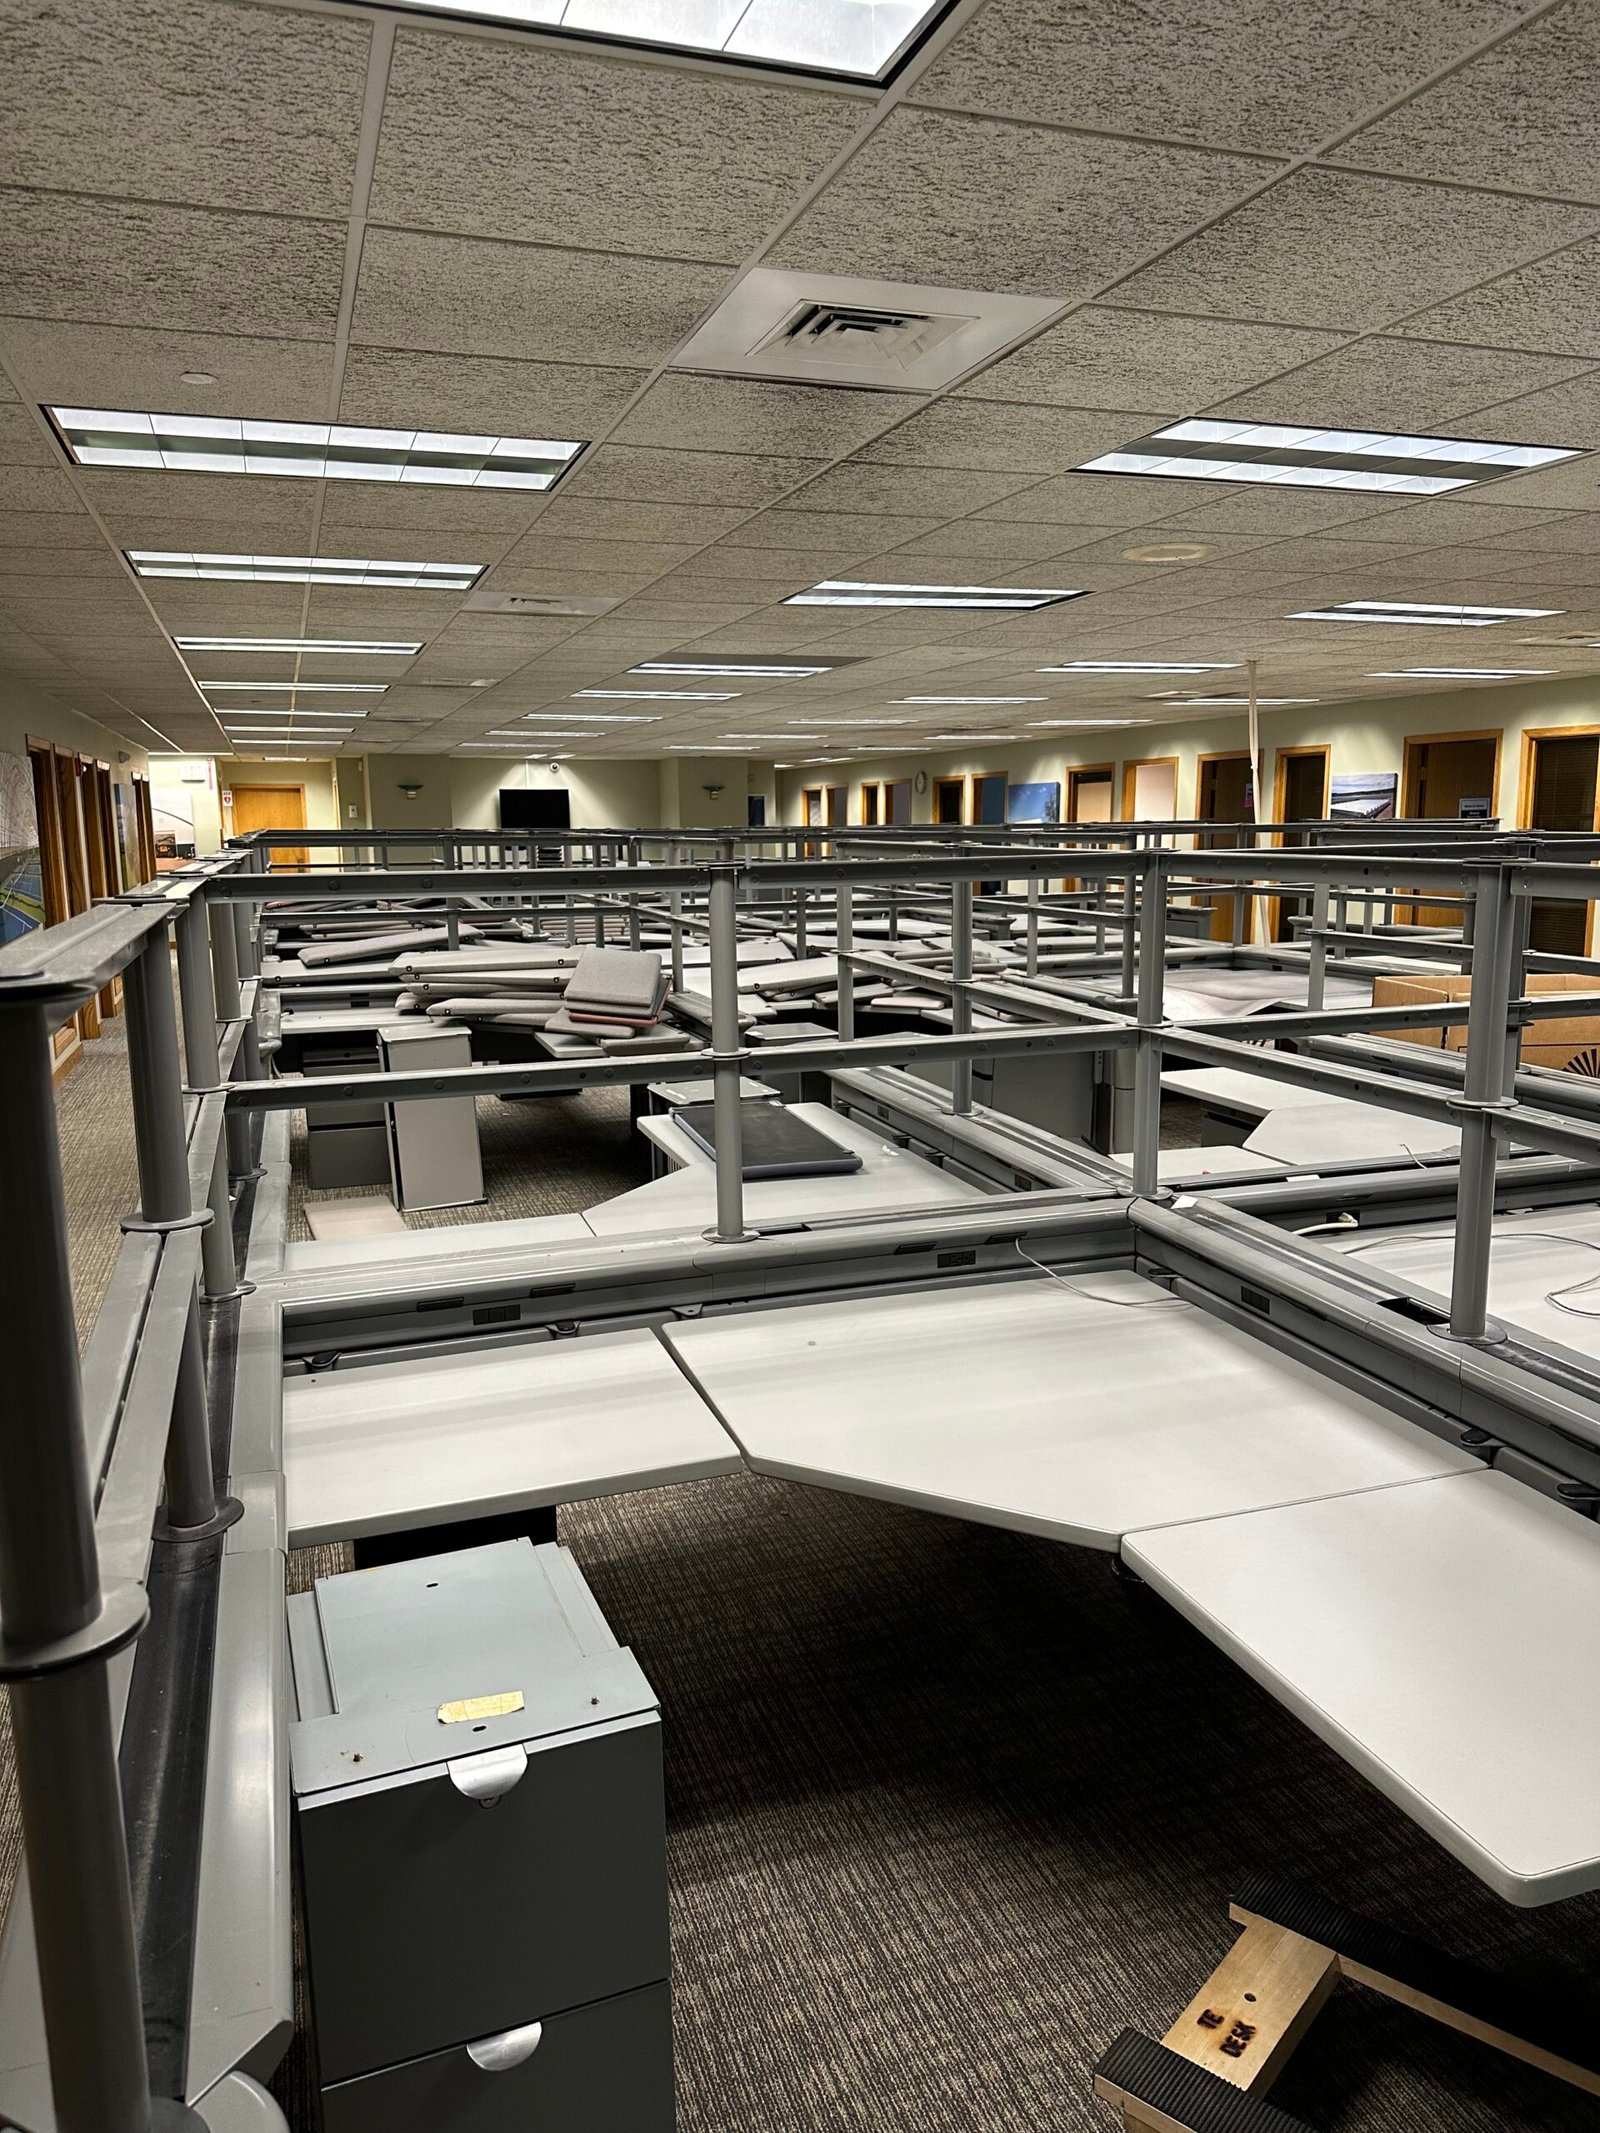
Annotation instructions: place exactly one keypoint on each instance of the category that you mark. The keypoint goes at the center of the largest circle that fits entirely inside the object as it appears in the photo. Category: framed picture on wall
(1363, 795)
(1034, 803)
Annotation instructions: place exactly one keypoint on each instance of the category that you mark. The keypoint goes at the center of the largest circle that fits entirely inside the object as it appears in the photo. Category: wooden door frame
(273, 785)
(1531, 736)
(1130, 774)
(875, 785)
(1409, 766)
(1280, 778)
(1093, 773)
(1221, 909)
(55, 893)
(955, 777)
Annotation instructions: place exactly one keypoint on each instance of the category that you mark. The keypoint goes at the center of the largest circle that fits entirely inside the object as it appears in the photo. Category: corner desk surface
(1029, 1405)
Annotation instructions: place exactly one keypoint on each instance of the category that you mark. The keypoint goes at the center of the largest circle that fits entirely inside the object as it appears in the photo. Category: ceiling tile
(48, 529)
(567, 581)
(1567, 414)
(250, 107)
(794, 527)
(37, 560)
(1520, 115)
(1107, 358)
(471, 296)
(1329, 248)
(1401, 384)
(939, 492)
(509, 138)
(146, 510)
(1097, 500)
(919, 203)
(128, 263)
(24, 441)
(998, 540)
(1449, 518)
(539, 551)
(36, 489)
(1574, 486)
(1266, 74)
(1553, 304)
(373, 511)
(694, 413)
(776, 562)
(71, 365)
(398, 388)
(1253, 510)
(601, 518)
(638, 474)
(997, 435)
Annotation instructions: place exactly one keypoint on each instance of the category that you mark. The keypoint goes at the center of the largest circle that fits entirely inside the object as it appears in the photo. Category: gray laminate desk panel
(1026, 1404)
(386, 1446)
(465, 1241)
(1549, 1251)
(1445, 1639)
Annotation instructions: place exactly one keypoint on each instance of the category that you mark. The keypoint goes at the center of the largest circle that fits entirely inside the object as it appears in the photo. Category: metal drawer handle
(488, 1777)
(498, 2055)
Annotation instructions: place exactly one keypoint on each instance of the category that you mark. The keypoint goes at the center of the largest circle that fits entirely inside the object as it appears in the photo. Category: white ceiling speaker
(844, 329)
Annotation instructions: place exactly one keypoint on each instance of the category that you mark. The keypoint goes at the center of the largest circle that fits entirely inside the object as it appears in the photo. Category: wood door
(950, 801)
(272, 807)
(1150, 789)
(1443, 770)
(1560, 779)
(1224, 796)
(74, 845)
(1089, 790)
(100, 853)
(871, 806)
(899, 797)
(144, 826)
(1300, 794)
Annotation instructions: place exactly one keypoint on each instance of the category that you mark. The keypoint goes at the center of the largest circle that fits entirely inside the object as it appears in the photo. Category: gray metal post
(675, 922)
(845, 935)
(1483, 1089)
(1147, 1060)
(961, 997)
(204, 1070)
(244, 940)
(1130, 943)
(725, 1042)
(800, 922)
(633, 895)
(1317, 975)
(225, 987)
(50, 1589)
(452, 925)
(1031, 960)
(164, 1200)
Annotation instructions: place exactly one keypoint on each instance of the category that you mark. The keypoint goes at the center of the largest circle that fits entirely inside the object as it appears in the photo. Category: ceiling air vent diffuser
(838, 329)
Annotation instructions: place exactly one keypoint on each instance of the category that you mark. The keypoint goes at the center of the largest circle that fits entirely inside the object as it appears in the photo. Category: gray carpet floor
(948, 1807)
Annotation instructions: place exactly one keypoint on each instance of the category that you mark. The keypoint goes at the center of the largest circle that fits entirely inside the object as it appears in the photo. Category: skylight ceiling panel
(627, 473)
(199, 269)
(505, 137)
(1114, 359)
(1329, 248)
(918, 203)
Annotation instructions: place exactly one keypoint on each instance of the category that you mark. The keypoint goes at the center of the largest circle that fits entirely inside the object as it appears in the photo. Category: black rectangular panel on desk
(776, 1144)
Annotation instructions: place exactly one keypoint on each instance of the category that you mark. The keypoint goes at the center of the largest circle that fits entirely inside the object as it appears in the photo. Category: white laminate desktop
(385, 1446)
(1443, 1638)
(1030, 1405)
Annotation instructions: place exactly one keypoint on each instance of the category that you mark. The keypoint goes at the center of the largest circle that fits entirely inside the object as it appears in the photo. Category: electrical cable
(1123, 1303)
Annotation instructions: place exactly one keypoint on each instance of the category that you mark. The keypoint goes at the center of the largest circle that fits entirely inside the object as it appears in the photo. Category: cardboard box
(1569, 1043)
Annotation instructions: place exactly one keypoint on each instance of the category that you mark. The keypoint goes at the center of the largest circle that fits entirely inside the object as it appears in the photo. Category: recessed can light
(196, 377)
(1168, 552)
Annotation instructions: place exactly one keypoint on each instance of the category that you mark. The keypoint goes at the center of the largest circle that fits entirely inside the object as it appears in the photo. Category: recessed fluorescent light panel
(1144, 666)
(1450, 617)
(1290, 456)
(658, 696)
(323, 451)
(1463, 674)
(968, 700)
(301, 688)
(551, 733)
(739, 669)
(303, 570)
(858, 40)
(878, 725)
(1037, 725)
(975, 738)
(852, 592)
(1236, 703)
(339, 718)
(297, 644)
(598, 718)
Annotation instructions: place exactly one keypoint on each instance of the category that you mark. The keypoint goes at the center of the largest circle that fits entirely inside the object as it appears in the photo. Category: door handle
(498, 2055)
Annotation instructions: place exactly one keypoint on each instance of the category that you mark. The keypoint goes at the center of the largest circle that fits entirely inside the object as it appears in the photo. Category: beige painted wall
(461, 792)
(1365, 735)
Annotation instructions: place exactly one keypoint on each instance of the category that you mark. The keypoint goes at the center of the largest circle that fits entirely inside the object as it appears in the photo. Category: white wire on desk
(1123, 1303)
(1514, 1236)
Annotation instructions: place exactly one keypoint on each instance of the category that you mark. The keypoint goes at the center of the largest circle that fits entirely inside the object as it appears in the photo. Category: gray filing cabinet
(434, 1157)
(482, 1847)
